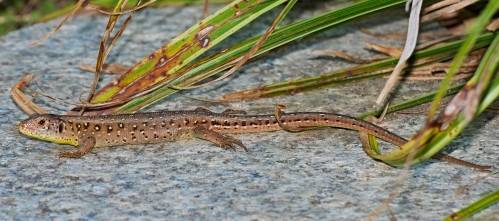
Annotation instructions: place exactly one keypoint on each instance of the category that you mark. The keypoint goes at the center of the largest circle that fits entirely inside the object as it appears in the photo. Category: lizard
(88, 132)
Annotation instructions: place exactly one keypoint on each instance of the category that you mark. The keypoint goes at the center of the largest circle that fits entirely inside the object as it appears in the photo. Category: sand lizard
(88, 132)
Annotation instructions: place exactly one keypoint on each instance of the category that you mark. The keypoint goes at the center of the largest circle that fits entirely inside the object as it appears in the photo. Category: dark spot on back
(215, 123)
(61, 127)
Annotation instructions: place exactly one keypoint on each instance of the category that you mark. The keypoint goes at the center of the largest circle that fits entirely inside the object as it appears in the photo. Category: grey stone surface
(315, 175)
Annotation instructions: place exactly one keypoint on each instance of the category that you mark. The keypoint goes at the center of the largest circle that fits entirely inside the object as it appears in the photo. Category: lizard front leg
(86, 144)
(224, 141)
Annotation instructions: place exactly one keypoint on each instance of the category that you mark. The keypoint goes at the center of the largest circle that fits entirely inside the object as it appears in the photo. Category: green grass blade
(375, 69)
(281, 36)
(433, 138)
(477, 206)
(418, 100)
(488, 66)
(183, 49)
(478, 26)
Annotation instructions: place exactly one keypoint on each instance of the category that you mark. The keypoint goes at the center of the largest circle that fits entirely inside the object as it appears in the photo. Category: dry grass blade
(438, 70)
(494, 25)
(22, 100)
(450, 7)
(206, 8)
(467, 100)
(396, 52)
(439, 5)
(341, 54)
(390, 35)
(107, 43)
(433, 78)
(410, 45)
(435, 42)
(390, 51)
(113, 69)
(137, 8)
(81, 4)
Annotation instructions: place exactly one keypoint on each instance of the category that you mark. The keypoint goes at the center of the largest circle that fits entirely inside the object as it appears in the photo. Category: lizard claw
(228, 147)
(230, 143)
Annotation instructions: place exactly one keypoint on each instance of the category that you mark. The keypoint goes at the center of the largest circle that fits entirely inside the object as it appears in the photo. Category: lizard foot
(86, 145)
(224, 141)
(230, 143)
(70, 154)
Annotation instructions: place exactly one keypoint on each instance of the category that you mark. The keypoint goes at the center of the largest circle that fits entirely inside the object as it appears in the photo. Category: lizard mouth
(28, 128)
(21, 126)
(24, 128)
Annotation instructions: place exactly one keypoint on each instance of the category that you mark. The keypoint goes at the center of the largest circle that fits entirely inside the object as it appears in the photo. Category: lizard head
(46, 127)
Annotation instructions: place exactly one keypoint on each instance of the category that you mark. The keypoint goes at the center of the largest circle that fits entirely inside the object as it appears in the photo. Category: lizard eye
(41, 122)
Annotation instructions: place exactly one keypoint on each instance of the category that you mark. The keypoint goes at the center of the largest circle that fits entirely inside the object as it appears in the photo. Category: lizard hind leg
(86, 145)
(224, 141)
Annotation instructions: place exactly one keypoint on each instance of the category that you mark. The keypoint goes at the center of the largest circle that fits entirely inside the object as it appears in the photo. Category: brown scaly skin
(88, 132)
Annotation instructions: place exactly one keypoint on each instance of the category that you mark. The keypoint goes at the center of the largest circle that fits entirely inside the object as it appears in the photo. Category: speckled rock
(314, 175)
